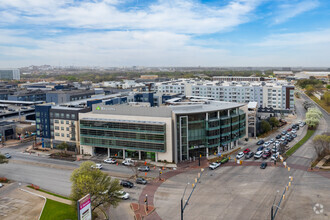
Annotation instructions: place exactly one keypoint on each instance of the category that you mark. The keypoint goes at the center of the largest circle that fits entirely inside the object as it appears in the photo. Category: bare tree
(321, 144)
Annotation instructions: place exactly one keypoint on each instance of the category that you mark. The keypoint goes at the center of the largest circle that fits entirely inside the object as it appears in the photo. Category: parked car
(285, 143)
(258, 155)
(126, 183)
(294, 131)
(140, 180)
(239, 155)
(267, 149)
(290, 139)
(297, 128)
(272, 140)
(278, 136)
(289, 129)
(260, 148)
(144, 168)
(266, 144)
(263, 165)
(214, 165)
(97, 166)
(274, 149)
(110, 160)
(122, 195)
(249, 155)
(247, 150)
(128, 162)
(283, 138)
(1, 185)
(224, 160)
(7, 155)
(294, 135)
(265, 155)
(260, 142)
(275, 156)
(284, 132)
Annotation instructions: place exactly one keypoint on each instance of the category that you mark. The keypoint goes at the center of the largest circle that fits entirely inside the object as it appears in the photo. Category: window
(62, 128)
(37, 114)
(56, 121)
(67, 128)
(57, 128)
(57, 134)
(62, 135)
(72, 116)
(67, 116)
(67, 122)
(62, 115)
(51, 114)
(62, 122)
(57, 115)
(68, 135)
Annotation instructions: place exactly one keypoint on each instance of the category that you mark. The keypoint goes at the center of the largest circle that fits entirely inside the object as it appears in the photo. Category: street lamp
(182, 200)
(146, 201)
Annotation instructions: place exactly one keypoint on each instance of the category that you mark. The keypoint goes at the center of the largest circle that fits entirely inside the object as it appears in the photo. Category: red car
(266, 155)
(290, 129)
(247, 150)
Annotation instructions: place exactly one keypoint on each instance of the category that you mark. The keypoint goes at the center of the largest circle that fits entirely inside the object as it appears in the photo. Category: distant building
(324, 76)
(63, 96)
(241, 78)
(148, 76)
(10, 74)
(29, 96)
(283, 74)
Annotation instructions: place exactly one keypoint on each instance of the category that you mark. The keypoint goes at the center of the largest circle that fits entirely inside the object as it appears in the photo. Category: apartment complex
(278, 95)
(168, 133)
(10, 74)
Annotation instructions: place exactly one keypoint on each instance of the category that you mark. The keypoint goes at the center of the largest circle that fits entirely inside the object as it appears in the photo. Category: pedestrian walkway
(48, 196)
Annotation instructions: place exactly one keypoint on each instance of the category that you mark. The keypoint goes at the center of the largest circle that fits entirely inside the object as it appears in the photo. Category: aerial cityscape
(183, 109)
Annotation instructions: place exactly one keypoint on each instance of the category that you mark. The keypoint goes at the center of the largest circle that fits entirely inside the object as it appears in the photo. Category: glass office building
(170, 133)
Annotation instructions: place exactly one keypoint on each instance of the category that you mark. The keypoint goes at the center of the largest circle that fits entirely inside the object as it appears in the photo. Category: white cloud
(296, 39)
(180, 16)
(293, 9)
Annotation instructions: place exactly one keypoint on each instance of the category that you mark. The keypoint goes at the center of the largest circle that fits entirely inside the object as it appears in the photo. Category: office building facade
(10, 74)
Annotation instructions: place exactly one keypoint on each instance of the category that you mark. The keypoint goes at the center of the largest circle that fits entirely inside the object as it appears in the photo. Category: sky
(117, 33)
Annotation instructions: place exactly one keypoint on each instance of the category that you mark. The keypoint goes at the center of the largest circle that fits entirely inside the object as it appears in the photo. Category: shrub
(3, 180)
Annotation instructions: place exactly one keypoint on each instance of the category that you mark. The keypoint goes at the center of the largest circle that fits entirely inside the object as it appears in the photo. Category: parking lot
(253, 147)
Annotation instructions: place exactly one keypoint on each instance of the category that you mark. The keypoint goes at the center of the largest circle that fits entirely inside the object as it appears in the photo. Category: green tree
(326, 98)
(274, 122)
(313, 117)
(309, 90)
(62, 146)
(102, 189)
(265, 126)
(3, 159)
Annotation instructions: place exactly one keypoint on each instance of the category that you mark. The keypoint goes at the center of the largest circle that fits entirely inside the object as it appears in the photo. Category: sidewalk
(48, 196)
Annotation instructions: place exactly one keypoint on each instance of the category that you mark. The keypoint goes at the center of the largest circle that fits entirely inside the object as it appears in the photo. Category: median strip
(300, 143)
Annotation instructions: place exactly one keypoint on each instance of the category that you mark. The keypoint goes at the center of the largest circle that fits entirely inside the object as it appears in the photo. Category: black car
(126, 183)
(144, 168)
(290, 139)
(285, 143)
(278, 136)
(141, 181)
(260, 142)
(249, 155)
(263, 165)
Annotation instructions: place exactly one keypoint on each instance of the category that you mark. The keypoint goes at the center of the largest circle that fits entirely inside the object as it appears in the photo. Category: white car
(110, 160)
(213, 166)
(282, 138)
(275, 156)
(258, 154)
(294, 131)
(266, 144)
(122, 195)
(97, 166)
(277, 142)
(1, 185)
(240, 155)
(128, 162)
(272, 140)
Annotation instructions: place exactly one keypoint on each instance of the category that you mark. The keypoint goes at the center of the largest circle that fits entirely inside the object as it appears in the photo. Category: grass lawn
(55, 211)
(301, 142)
(321, 103)
(53, 194)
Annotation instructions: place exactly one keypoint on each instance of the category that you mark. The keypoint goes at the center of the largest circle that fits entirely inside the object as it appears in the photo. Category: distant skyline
(112, 33)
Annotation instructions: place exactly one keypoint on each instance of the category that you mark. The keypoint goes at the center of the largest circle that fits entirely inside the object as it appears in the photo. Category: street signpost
(84, 208)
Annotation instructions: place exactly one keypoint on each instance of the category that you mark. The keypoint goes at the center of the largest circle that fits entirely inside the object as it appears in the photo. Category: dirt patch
(18, 205)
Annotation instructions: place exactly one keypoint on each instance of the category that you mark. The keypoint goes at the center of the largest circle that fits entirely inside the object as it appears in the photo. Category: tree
(274, 122)
(265, 126)
(309, 89)
(313, 117)
(322, 144)
(326, 98)
(62, 146)
(102, 189)
(3, 159)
